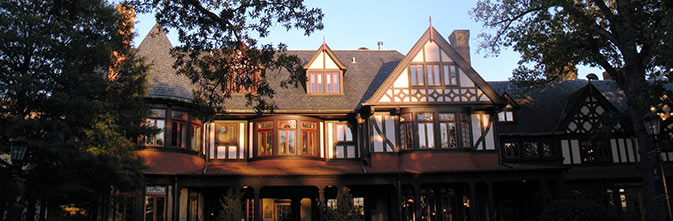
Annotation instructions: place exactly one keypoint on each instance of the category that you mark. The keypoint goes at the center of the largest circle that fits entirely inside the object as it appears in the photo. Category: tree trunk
(635, 89)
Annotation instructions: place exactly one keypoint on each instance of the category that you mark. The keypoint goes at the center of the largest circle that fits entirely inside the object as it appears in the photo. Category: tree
(219, 49)
(344, 209)
(54, 58)
(631, 40)
(232, 206)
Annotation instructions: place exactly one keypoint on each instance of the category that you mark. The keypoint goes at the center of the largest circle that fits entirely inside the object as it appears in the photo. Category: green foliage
(219, 50)
(232, 206)
(577, 210)
(345, 210)
(54, 56)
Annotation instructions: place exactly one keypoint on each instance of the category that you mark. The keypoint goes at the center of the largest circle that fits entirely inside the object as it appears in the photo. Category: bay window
(434, 130)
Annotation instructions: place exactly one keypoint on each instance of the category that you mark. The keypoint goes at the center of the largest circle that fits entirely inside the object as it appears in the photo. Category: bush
(577, 210)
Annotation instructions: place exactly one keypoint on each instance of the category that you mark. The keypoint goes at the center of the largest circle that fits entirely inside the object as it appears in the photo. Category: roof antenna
(432, 37)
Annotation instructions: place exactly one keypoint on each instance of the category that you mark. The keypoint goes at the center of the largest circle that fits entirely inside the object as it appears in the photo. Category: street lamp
(18, 149)
(652, 123)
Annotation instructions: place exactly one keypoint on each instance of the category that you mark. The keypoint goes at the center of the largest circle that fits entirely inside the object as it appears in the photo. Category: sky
(351, 24)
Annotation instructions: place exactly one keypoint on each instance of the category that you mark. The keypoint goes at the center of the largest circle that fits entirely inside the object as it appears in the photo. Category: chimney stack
(606, 76)
(460, 40)
(380, 43)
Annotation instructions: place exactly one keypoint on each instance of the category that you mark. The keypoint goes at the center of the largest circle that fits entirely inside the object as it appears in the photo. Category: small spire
(432, 37)
(323, 40)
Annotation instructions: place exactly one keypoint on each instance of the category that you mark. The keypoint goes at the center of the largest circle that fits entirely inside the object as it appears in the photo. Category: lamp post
(652, 123)
(18, 149)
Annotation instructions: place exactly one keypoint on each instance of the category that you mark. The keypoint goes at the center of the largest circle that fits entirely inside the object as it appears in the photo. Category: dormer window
(328, 82)
(324, 72)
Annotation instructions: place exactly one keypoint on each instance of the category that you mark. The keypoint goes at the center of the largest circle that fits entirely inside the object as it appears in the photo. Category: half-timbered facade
(419, 136)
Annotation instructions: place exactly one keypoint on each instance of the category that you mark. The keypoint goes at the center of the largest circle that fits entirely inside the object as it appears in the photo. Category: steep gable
(584, 111)
(433, 72)
(324, 58)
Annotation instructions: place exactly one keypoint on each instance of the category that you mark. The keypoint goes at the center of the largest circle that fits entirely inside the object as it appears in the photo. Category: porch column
(321, 204)
(258, 205)
(474, 206)
(417, 202)
(491, 202)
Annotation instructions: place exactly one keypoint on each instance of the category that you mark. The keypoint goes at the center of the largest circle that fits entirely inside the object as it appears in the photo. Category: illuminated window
(506, 116)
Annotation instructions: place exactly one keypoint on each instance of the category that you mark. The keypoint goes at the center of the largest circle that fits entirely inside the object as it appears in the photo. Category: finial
(432, 37)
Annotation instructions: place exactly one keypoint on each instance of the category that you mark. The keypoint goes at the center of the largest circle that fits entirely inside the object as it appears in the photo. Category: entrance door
(283, 210)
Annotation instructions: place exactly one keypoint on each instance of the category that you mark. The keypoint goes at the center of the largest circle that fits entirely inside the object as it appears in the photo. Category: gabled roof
(164, 82)
(542, 109)
(328, 51)
(451, 52)
(576, 100)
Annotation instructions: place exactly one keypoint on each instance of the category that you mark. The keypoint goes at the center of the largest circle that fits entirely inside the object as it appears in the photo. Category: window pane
(431, 79)
(511, 150)
(160, 208)
(350, 151)
(158, 113)
(283, 140)
(174, 134)
(339, 151)
(509, 115)
(501, 116)
(412, 73)
(161, 124)
(196, 138)
(183, 135)
(260, 143)
(453, 140)
(328, 82)
(287, 124)
(405, 117)
(447, 117)
(269, 143)
(231, 152)
(267, 124)
(547, 149)
(444, 134)
(349, 135)
(149, 208)
(447, 80)
(419, 72)
(336, 82)
(465, 130)
(421, 135)
(530, 149)
(308, 125)
(431, 135)
(453, 75)
(291, 140)
(313, 83)
(319, 82)
(340, 132)
(424, 117)
(221, 152)
(179, 115)
(150, 139)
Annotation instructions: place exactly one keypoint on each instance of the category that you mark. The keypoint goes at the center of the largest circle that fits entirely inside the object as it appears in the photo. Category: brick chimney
(460, 40)
(606, 76)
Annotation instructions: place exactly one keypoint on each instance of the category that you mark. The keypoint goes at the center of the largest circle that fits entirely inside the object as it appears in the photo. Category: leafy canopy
(219, 50)
(54, 57)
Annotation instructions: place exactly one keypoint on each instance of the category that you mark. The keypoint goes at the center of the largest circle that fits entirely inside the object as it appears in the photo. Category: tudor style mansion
(415, 136)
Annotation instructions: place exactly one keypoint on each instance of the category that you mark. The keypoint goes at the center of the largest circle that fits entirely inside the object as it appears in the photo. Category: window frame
(345, 142)
(266, 131)
(227, 144)
(406, 141)
(455, 130)
(309, 131)
(443, 79)
(182, 129)
(503, 116)
(427, 138)
(519, 152)
(290, 147)
(323, 88)
(155, 118)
